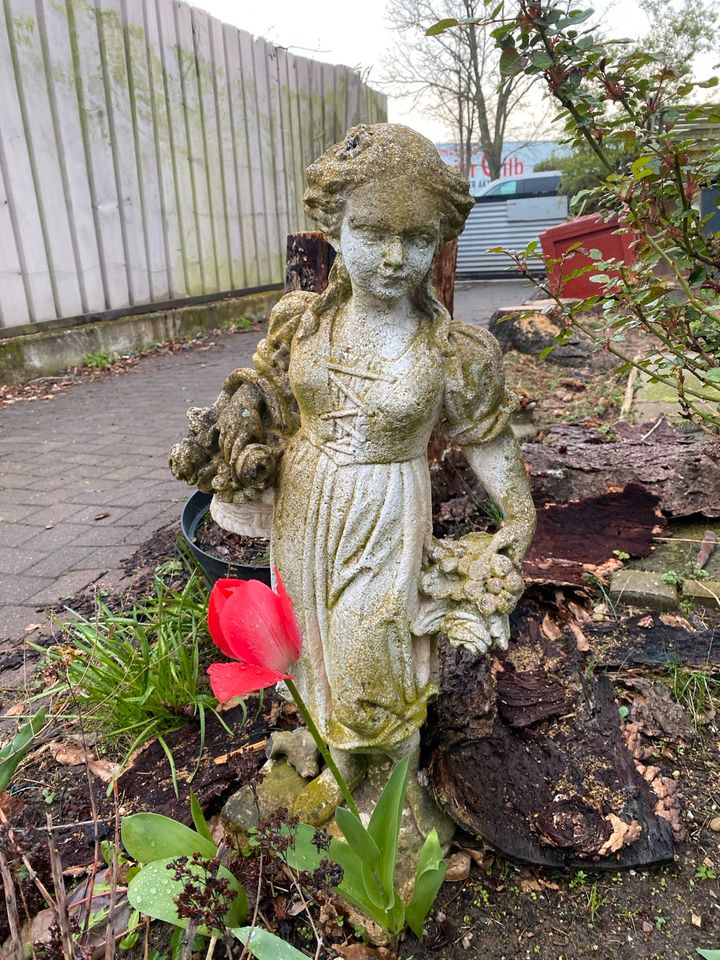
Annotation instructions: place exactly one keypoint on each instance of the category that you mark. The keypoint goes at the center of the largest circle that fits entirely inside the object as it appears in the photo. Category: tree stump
(444, 266)
(308, 263)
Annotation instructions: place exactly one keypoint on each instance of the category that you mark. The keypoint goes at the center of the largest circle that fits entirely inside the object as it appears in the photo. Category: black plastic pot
(213, 568)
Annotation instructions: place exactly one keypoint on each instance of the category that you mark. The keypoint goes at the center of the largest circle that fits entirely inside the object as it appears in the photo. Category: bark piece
(574, 539)
(575, 462)
(650, 641)
(548, 783)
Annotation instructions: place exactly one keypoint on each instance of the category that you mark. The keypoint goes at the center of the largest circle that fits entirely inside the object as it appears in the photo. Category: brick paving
(84, 477)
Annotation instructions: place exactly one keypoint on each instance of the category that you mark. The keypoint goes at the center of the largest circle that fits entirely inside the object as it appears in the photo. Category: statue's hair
(382, 151)
(374, 152)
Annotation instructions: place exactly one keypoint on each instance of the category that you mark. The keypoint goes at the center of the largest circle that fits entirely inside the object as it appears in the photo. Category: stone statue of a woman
(335, 418)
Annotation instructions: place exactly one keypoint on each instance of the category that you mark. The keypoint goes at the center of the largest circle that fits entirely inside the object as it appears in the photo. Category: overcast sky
(356, 33)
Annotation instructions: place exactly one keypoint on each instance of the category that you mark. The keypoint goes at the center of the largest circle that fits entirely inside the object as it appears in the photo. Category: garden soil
(497, 910)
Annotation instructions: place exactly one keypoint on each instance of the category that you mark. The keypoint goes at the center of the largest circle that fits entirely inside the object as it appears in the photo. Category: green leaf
(303, 854)
(359, 890)
(360, 841)
(541, 59)
(441, 26)
(150, 836)
(384, 826)
(12, 753)
(713, 375)
(201, 824)
(265, 945)
(510, 62)
(546, 351)
(709, 954)
(431, 870)
(152, 892)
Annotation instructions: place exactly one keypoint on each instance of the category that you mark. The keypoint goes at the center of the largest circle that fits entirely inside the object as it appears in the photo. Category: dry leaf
(16, 710)
(106, 770)
(580, 613)
(32, 626)
(550, 629)
(581, 641)
(72, 755)
(696, 920)
(646, 622)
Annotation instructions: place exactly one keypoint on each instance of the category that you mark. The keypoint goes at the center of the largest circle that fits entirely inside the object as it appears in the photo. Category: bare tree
(455, 76)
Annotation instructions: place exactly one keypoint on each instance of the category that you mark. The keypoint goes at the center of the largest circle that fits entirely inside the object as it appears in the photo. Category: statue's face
(388, 238)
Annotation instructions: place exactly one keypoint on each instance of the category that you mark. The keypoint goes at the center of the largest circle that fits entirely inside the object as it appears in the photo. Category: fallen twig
(12, 909)
(63, 917)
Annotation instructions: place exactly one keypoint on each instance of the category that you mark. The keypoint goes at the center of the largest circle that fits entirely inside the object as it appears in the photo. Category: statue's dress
(352, 517)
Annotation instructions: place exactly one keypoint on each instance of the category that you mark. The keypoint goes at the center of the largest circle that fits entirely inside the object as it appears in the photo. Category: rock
(299, 748)
(278, 787)
(642, 589)
(715, 824)
(458, 867)
(530, 330)
(705, 592)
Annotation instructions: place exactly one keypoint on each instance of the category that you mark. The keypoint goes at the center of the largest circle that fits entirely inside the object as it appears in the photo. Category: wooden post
(309, 258)
(444, 266)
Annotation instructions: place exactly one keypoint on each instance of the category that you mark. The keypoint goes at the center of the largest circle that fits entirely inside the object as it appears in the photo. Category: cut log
(444, 266)
(309, 259)
(575, 462)
(530, 755)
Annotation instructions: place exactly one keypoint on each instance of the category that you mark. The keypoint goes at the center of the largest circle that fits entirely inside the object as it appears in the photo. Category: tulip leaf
(430, 873)
(265, 945)
(13, 753)
(153, 890)
(384, 826)
(361, 842)
(201, 824)
(354, 887)
(150, 836)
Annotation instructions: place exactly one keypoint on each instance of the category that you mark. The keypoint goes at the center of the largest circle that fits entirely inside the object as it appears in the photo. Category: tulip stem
(322, 747)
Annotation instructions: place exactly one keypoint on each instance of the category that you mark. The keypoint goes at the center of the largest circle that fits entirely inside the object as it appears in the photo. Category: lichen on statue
(335, 416)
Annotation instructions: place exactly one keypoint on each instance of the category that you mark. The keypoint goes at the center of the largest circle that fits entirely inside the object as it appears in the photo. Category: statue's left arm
(477, 580)
(499, 466)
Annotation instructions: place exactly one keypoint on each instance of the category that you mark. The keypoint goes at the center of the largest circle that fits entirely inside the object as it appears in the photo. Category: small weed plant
(99, 361)
(138, 674)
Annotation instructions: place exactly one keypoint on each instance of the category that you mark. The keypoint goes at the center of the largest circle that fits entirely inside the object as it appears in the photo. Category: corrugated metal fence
(149, 152)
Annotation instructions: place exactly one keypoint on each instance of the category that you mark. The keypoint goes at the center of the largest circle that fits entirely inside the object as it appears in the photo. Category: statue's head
(384, 198)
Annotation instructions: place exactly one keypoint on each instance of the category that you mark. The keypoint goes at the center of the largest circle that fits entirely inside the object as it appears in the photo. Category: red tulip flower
(257, 628)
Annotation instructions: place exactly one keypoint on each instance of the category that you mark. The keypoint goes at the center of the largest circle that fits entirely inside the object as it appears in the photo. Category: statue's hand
(513, 539)
(239, 423)
(468, 630)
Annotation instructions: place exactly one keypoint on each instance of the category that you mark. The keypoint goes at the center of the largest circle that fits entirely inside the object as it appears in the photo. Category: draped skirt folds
(348, 540)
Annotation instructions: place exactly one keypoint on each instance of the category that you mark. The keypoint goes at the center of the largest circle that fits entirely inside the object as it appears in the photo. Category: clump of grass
(136, 674)
(697, 691)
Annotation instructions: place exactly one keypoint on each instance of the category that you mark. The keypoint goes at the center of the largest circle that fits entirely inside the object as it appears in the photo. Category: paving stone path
(84, 477)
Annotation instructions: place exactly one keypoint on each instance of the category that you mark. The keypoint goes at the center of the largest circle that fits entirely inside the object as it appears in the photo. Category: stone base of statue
(281, 786)
(251, 518)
